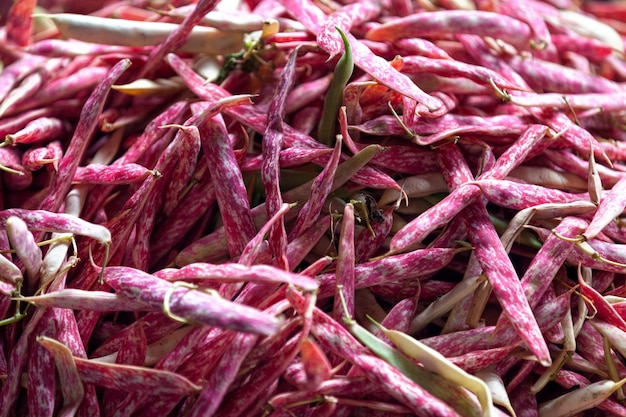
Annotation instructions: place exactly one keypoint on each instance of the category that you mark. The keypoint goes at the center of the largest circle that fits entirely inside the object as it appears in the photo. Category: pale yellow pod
(593, 180)
(550, 178)
(592, 28)
(133, 33)
(445, 303)
(437, 363)
(416, 186)
(615, 335)
(497, 388)
(579, 400)
(145, 87)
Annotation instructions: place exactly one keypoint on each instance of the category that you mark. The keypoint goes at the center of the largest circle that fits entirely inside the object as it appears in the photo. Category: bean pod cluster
(312, 208)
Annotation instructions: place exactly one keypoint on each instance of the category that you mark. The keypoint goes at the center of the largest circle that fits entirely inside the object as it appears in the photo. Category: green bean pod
(334, 96)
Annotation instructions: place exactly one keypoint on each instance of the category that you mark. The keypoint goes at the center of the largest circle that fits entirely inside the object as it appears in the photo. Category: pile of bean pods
(312, 208)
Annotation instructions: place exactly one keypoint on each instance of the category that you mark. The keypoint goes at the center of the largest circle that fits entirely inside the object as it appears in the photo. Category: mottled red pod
(16, 176)
(345, 274)
(320, 189)
(317, 368)
(111, 174)
(228, 184)
(42, 129)
(393, 268)
(218, 384)
(344, 18)
(231, 272)
(271, 146)
(67, 166)
(312, 17)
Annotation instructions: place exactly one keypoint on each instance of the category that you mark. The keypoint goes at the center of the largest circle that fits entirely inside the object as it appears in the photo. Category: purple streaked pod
(156, 326)
(421, 47)
(36, 158)
(132, 352)
(367, 244)
(231, 272)
(23, 241)
(111, 174)
(29, 86)
(221, 379)
(258, 245)
(320, 188)
(475, 22)
(228, 182)
(271, 145)
(611, 206)
(392, 268)
(197, 202)
(126, 377)
(72, 387)
(16, 176)
(15, 72)
(313, 18)
(10, 125)
(299, 248)
(517, 195)
(290, 157)
(191, 305)
(481, 359)
(72, 47)
(42, 129)
(85, 128)
(344, 18)
(44, 220)
(257, 382)
(183, 172)
(435, 217)
(492, 256)
(344, 300)
(451, 68)
(549, 76)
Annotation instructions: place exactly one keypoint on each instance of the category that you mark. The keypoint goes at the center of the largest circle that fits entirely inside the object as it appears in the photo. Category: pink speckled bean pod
(231, 272)
(493, 258)
(378, 68)
(345, 273)
(67, 166)
(217, 385)
(320, 188)
(43, 220)
(194, 306)
(459, 21)
(344, 18)
(42, 129)
(227, 182)
(393, 268)
(111, 174)
(270, 168)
